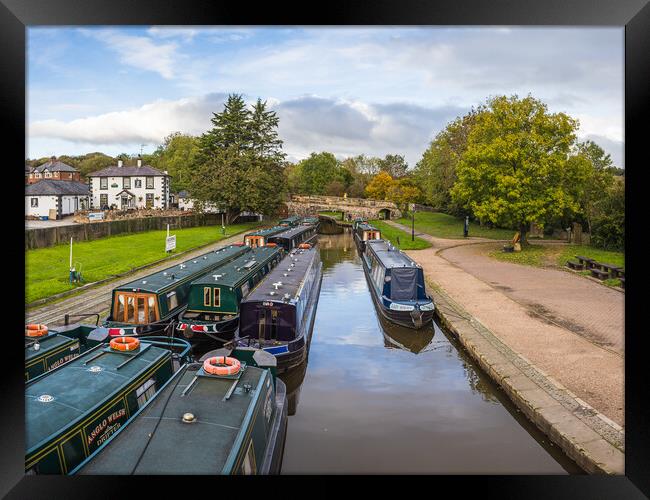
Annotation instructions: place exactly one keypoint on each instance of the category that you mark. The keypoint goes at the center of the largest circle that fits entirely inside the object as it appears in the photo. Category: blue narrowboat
(204, 422)
(148, 305)
(212, 313)
(397, 285)
(71, 412)
(278, 316)
(294, 236)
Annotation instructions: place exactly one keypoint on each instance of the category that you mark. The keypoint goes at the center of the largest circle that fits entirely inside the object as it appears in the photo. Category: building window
(138, 183)
(149, 200)
(149, 182)
(126, 182)
(34, 202)
(103, 183)
(103, 200)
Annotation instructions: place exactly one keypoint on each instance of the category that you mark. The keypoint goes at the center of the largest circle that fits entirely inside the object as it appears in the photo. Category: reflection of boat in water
(293, 379)
(399, 337)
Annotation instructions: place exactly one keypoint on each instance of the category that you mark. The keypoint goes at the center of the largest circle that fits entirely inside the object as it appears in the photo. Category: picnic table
(600, 270)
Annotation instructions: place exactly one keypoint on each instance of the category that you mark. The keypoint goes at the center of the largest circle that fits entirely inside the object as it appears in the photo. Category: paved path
(557, 336)
(97, 299)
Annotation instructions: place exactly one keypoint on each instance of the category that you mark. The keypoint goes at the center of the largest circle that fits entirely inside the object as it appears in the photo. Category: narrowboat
(226, 414)
(356, 221)
(146, 306)
(364, 232)
(212, 313)
(310, 221)
(396, 285)
(292, 221)
(259, 238)
(70, 412)
(278, 316)
(292, 237)
(47, 349)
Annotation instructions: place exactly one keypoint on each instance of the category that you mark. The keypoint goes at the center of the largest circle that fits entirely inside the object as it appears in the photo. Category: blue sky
(349, 90)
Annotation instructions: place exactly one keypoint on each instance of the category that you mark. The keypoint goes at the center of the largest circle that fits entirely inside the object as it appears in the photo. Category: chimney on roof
(119, 163)
(139, 162)
(53, 159)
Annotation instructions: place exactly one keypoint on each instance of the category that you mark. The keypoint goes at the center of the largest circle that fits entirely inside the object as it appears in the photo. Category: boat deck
(390, 256)
(176, 447)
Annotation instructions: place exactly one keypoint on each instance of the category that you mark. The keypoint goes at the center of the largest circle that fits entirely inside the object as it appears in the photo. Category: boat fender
(214, 365)
(34, 330)
(125, 343)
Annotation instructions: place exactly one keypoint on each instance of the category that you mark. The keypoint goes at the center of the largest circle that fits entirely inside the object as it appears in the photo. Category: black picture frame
(634, 15)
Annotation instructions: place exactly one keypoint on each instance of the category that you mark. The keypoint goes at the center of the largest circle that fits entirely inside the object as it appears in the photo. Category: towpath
(569, 327)
(97, 299)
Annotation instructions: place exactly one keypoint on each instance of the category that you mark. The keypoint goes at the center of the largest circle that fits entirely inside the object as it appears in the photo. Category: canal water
(377, 398)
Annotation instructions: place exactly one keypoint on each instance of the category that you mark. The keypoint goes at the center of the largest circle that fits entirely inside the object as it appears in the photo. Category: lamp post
(412, 221)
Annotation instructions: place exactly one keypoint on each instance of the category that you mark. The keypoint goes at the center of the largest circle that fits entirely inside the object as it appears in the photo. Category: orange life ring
(232, 368)
(271, 245)
(125, 343)
(34, 330)
(304, 246)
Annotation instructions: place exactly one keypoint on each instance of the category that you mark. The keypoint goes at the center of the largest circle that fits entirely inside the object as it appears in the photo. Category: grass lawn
(446, 226)
(47, 269)
(391, 233)
(604, 256)
(336, 215)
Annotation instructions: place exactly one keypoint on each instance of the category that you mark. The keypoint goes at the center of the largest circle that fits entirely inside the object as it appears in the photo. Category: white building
(129, 187)
(187, 203)
(65, 197)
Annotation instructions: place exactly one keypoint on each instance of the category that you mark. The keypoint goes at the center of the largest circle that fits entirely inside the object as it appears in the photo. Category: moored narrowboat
(364, 232)
(396, 285)
(278, 316)
(259, 238)
(292, 221)
(294, 236)
(224, 415)
(70, 412)
(146, 306)
(212, 313)
(310, 221)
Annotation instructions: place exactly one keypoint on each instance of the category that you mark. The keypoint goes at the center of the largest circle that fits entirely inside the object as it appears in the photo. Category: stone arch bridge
(357, 207)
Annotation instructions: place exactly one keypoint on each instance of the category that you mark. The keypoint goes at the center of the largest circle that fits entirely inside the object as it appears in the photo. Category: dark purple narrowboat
(278, 316)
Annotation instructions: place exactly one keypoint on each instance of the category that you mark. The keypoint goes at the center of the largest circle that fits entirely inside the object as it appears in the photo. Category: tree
(265, 140)
(435, 173)
(177, 155)
(609, 225)
(232, 128)
(312, 175)
(379, 186)
(402, 192)
(394, 165)
(515, 169)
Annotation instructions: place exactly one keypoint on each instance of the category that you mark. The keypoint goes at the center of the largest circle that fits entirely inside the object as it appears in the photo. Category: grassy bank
(391, 233)
(446, 226)
(47, 270)
(336, 215)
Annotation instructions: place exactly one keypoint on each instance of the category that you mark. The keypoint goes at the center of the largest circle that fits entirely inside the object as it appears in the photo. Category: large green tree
(393, 165)
(515, 169)
(178, 156)
(318, 174)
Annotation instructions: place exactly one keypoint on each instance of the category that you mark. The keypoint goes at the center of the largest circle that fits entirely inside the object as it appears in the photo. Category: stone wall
(357, 207)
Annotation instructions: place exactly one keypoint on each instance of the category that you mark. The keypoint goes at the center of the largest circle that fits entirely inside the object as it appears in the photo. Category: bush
(609, 232)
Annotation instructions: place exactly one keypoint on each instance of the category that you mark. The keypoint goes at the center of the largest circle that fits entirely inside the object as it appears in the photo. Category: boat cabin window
(135, 308)
(172, 301)
(244, 289)
(207, 294)
(248, 466)
(217, 297)
(255, 241)
(145, 391)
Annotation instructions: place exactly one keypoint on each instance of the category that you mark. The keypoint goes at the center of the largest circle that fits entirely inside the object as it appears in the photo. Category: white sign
(95, 215)
(170, 243)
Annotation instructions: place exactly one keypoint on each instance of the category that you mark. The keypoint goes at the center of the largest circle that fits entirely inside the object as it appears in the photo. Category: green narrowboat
(55, 347)
(72, 411)
(292, 221)
(212, 313)
(146, 306)
(204, 423)
(259, 238)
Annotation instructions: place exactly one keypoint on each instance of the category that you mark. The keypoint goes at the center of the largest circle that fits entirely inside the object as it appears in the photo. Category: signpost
(95, 215)
(170, 241)
(412, 207)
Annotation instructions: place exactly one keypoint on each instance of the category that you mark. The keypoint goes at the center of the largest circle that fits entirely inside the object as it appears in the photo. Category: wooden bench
(622, 278)
(585, 261)
(601, 275)
(574, 264)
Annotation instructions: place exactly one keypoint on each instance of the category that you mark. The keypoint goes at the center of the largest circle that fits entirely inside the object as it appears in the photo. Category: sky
(347, 90)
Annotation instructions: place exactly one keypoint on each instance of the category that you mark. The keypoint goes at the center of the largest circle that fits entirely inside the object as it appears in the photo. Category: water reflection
(380, 398)
(293, 379)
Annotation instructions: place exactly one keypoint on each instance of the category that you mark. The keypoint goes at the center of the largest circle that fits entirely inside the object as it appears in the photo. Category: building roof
(115, 171)
(54, 165)
(51, 187)
(28, 169)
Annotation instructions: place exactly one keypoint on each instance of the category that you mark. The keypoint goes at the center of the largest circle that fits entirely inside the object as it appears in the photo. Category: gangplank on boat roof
(278, 316)
(397, 285)
(70, 412)
(204, 422)
(147, 305)
(292, 237)
(212, 313)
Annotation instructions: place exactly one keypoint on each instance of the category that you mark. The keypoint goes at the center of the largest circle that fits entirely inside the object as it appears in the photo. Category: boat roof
(266, 232)
(239, 269)
(390, 256)
(48, 343)
(78, 387)
(364, 226)
(160, 280)
(175, 447)
(298, 261)
(293, 218)
(291, 232)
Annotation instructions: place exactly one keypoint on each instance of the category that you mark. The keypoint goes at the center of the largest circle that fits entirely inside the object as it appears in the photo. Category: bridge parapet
(357, 207)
